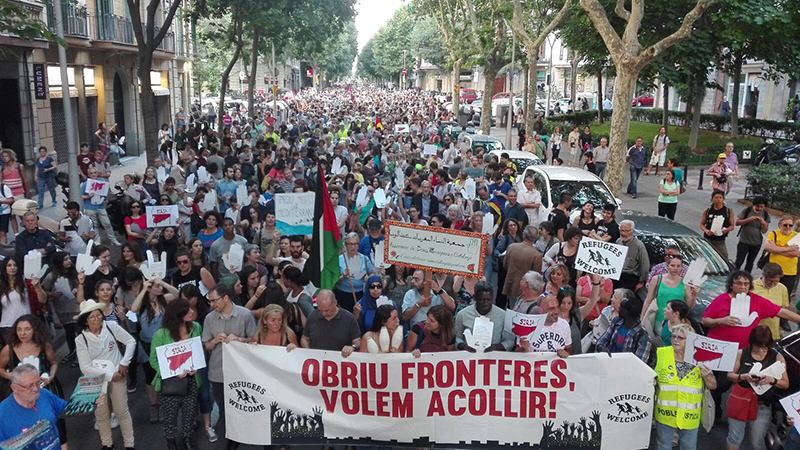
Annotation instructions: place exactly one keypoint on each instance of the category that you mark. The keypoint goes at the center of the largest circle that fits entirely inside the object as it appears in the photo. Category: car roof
(484, 138)
(514, 154)
(654, 225)
(566, 173)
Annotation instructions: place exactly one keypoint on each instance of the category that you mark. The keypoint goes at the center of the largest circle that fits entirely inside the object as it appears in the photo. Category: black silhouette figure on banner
(244, 397)
(583, 435)
(287, 425)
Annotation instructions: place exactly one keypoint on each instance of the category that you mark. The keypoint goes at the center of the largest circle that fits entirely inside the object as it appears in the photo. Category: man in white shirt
(75, 230)
(555, 336)
(601, 157)
(531, 200)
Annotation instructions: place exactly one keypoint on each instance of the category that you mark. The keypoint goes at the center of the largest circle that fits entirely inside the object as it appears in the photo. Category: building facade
(102, 75)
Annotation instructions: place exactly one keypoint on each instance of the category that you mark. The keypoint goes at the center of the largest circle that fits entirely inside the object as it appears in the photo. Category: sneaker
(154, 413)
(114, 421)
(212, 434)
(131, 388)
(55, 204)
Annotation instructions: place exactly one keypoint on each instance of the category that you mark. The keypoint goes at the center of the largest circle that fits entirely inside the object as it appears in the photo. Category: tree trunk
(456, 82)
(665, 116)
(533, 89)
(698, 105)
(489, 74)
(525, 75)
(223, 88)
(687, 116)
(574, 82)
(620, 125)
(148, 101)
(737, 79)
(600, 96)
(251, 80)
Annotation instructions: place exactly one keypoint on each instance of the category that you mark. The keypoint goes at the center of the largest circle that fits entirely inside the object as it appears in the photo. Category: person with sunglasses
(783, 254)
(190, 274)
(364, 310)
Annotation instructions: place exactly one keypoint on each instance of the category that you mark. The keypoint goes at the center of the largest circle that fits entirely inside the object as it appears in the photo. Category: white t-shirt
(553, 338)
(5, 193)
(659, 141)
(299, 265)
(82, 226)
(14, 307)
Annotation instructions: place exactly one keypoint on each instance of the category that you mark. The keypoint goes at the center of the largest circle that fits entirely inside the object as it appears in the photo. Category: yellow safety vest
(679, 401)
(342, 135)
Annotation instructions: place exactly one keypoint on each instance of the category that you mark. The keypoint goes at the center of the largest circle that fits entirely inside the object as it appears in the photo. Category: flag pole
(349, 278)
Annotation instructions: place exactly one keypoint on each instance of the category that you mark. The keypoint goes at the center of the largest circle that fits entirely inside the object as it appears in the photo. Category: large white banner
(452, 398)
(441, 249)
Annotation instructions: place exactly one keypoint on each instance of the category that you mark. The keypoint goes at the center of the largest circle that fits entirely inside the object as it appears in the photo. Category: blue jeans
(756, 428)
(206, 402)
(46, 182)
(664, 434)
(634, 179)
(792, 440)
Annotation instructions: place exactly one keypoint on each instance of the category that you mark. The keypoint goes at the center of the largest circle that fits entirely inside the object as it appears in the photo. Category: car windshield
(692, 248)
(523, 163)
(582, 191)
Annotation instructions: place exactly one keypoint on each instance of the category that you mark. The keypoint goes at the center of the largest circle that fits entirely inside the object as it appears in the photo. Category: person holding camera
(719, 173)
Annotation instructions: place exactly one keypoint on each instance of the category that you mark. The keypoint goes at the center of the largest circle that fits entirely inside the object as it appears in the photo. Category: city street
(149, 436)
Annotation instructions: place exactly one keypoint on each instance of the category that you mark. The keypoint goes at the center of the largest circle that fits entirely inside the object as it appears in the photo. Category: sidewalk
(131, 164)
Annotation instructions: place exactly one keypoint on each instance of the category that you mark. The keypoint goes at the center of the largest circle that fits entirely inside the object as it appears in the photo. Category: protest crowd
(233, 270)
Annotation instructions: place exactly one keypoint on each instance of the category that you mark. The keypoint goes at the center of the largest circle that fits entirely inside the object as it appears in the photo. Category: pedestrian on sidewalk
(753, 222)
(601, 157)
(668, 189)
(45, 176)
(717, 209)
(659, 156)
(635, 159)
(94, 208)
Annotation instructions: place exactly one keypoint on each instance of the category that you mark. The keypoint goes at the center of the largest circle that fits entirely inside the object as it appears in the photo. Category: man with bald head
(330, 327)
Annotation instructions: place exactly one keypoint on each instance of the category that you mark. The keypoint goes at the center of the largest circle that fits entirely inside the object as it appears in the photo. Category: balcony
(113, 28)
(74, 17)
(32, 12)
(168, 43)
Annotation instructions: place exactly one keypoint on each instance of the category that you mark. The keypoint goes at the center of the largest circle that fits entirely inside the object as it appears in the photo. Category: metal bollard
(700, 185)
(686, 174)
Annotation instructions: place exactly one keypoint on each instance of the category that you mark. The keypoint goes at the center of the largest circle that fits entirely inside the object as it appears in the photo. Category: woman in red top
(136, 225)
(14, 177)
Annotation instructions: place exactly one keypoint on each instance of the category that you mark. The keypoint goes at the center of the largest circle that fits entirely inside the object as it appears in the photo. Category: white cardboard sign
(401, 128)
(714, 354)
(179, 357)
(443, 250)
(600, 258)
(791, 405)
(429, 150)
(528, 326)
(162, 216)
(97, 187)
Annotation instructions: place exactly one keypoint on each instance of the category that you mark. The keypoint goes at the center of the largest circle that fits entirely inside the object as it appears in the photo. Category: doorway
(119, 105)
(11, 117)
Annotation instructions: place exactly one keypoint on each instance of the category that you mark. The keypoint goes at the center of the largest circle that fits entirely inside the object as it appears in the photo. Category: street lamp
(403, 76)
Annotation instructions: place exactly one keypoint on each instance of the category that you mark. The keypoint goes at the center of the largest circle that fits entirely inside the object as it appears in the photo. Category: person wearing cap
(99, 353)
(374, 237)
(719, 173)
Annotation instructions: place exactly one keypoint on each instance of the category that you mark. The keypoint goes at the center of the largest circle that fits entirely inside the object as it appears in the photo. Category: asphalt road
(149, 436)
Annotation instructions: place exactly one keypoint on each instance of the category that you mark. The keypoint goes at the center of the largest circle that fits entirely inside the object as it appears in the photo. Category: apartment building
(102, 75)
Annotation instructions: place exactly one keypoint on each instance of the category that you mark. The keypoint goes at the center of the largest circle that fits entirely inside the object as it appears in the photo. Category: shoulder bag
(764, 259)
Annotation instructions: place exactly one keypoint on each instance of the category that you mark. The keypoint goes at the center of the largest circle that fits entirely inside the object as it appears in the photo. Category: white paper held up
(233, 259)
(33, 265)
(85, 262)
(694, 274)
(740, 308)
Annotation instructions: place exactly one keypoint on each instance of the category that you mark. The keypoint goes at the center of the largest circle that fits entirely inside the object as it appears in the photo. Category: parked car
(487, 142)
(658, 232)
(520, 159)
(467, 95)
(551, 181)
(455, 130)
(643, 100)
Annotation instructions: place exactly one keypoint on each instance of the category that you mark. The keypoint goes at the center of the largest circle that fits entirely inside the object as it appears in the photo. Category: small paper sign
(429, 149)
(380, 198)
(401, 128)
(294, 213)
(480, 337)
(180, 357)
(162, 216)
(715, 354)
(242, 197)
(601, 258)
(791, 405)
(527, 326)
(162, 174)
(84, 399)
(97, 187)
(469, 189)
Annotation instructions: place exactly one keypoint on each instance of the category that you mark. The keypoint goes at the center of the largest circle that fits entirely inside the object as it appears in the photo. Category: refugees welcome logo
(243, 396)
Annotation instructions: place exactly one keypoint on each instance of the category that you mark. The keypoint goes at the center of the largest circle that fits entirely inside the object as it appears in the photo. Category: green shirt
(668, 187)
(162, 337)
